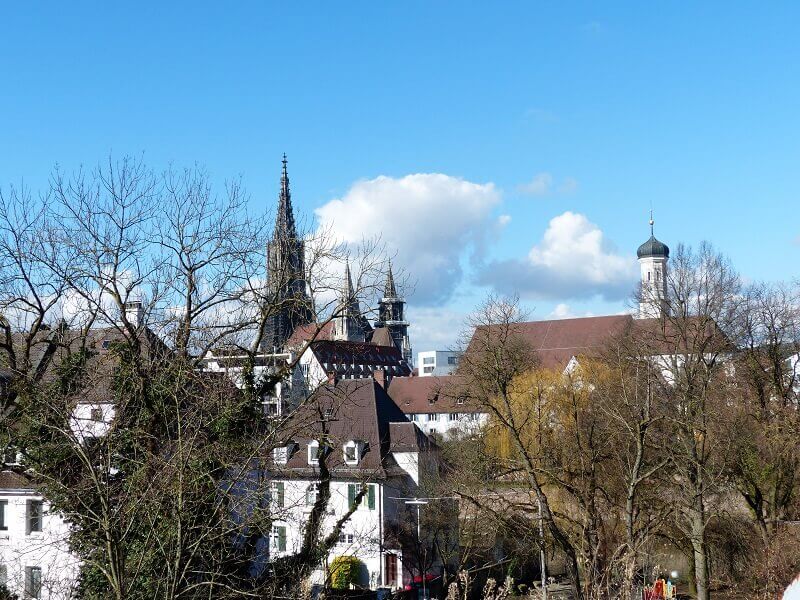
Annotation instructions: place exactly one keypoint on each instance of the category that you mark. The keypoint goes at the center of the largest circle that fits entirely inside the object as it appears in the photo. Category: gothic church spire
(284, 219)
(389, 290)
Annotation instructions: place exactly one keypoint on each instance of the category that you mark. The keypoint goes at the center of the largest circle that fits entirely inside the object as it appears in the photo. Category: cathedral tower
(286, 279)
(653, 256)
(390, 315)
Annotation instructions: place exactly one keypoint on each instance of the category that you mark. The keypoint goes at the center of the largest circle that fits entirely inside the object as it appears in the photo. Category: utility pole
(418, 503)
(542, 564)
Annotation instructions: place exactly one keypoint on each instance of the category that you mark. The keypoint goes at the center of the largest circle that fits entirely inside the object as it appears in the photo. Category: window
(272, 407)
(416, 418)
(304, 369)
(452, 360)
(3, 510)
(328, 413)
(460, 400)
(96, 414)
(278, 541)
(33, 582)
(427, 369)
(3, 575)
(280, 455)
(35, 514)
(345, 538)
(352, 491)
(314, 453)
(428, 360)
(452, 417)
(351, 453)
(433, 417)
(278, 493)
(312, 493)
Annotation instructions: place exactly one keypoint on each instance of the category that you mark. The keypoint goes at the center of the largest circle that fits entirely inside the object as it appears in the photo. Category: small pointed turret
(349, 324)
(389, 290)
(348, 282)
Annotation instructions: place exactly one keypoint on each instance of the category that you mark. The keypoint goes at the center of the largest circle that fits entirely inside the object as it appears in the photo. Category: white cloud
(568, 186)
(435, 328)
(428, 219)
(572, 260)
(544, 184)
(564, 311)
(503, 220)
(538, 186)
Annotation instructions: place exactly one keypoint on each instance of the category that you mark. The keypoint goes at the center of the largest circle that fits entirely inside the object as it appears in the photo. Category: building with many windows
(438, 405)
(437, 362)
(371, 451)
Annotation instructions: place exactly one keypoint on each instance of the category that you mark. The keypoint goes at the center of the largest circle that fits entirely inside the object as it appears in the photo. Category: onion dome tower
(653, 256)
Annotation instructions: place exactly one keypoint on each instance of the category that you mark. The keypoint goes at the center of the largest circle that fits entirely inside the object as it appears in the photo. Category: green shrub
(344, 572)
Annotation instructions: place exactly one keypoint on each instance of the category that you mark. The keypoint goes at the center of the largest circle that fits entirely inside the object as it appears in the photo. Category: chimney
(379, 375)
(134, 312)
(332, 376)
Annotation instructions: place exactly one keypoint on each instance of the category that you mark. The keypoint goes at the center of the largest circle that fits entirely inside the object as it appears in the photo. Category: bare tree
(491, 368)
(114, 289)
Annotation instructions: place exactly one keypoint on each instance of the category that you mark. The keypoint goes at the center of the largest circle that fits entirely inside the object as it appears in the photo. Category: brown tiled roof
(353, 409)
(9, 480)
(407, 437)
(382, 337)
(102, 361)
(361, 354)
(311, 331)
(557, 341)
(416, 395)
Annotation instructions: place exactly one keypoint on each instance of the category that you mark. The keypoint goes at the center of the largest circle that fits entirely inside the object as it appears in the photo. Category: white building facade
(35, 561)
(433, 363)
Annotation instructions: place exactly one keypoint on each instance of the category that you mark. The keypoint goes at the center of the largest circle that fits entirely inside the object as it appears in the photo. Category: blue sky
(555, 125)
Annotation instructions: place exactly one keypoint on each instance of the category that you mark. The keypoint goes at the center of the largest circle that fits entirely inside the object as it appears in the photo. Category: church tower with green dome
(653, 256)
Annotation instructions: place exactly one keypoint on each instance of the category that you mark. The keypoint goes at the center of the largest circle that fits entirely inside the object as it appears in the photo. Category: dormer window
(314, 452)
(352, 453)
(282, 454)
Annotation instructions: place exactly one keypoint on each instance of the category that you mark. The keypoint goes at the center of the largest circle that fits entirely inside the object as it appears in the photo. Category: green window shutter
(371, 497)
(351, 495)
(281, 539)
(279, 494)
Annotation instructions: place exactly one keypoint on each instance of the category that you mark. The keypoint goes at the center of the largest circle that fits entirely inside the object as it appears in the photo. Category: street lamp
(419, 503)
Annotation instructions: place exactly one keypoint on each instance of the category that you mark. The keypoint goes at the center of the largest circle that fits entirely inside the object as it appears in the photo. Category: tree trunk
(699, 550)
